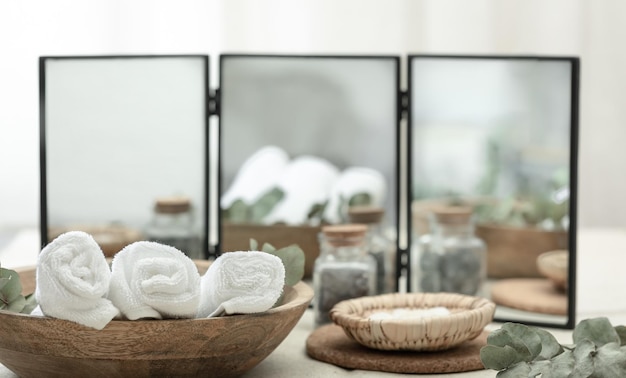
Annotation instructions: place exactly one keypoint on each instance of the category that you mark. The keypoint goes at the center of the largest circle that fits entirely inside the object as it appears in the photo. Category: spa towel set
(149, 280)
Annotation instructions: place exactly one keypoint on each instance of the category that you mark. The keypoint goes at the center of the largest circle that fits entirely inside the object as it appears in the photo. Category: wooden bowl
(467, 317)
(554, 266)
(33, 346)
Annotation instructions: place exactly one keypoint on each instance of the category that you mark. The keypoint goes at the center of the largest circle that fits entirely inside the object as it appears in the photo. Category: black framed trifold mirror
(302, 138)
(498, 135)
(124, 149)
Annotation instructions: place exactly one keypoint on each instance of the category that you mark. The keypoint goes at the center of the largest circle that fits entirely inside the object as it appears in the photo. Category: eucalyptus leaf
(519, 370)
(584, 358)
(503, 337)
(598, 330)
(527, 336)
(360, 199)
(610, 361)
(267, 247)
(561, 366)
(550, 347)
(498, 358)
(538, 367)
(12, 288)
(293, 259)
(238, 212)
(264, 205)
(621, 332)
(317, 211)
(17, 304)
(254, 245)
(31, 303)
(597, 352)
(3, 281)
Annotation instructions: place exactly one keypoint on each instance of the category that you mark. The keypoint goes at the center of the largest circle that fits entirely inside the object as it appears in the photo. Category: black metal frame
(573, 167)
(403, 190)
(398, 117)
(42, 133)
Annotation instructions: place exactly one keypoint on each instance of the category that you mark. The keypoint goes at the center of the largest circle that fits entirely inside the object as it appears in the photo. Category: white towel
(73, 280)
(355, 180)
(241, 283)
(306, 181)
(155, 281)
(257, 175)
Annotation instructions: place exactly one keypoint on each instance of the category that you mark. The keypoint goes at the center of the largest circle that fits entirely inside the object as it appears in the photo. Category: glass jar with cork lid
(451, 258)
(173, 224)
(343, 270)
(380, 244)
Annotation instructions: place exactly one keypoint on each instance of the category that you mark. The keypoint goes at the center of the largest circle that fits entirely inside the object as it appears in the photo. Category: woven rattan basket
(467, 317)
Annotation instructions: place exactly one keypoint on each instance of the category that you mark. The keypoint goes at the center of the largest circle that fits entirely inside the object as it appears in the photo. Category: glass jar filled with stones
(343, 270)
(451, 258)
(380, 244)
(173, 224)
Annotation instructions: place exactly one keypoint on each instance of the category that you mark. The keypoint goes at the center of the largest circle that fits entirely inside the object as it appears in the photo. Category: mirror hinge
(403, 105)
(214, 102)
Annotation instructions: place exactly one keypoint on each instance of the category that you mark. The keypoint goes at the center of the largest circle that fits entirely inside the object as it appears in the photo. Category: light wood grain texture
(513, 252)
(530, 294)
(468, 317)
(554, 265)
(218, 347)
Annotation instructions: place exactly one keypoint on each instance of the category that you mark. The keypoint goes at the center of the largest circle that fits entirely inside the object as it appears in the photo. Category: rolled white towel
(73, 280)
(355, 180)
(258, 174)
(306, 181)
(241, 283)
(153, 280)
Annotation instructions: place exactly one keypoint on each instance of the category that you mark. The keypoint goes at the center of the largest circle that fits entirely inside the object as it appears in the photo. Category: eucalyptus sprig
(292, 257)
(11, 298)
(516, 350)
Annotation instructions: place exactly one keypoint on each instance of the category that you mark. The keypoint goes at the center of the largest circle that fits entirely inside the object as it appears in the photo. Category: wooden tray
(530, 294)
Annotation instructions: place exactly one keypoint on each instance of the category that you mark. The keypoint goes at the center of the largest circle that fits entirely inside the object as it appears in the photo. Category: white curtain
(593, 30)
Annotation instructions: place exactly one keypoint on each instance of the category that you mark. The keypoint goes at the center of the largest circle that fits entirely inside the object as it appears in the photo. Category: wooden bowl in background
(554, 265)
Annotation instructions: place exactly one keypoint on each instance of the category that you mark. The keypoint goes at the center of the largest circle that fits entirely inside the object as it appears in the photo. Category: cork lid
(172, 205)
(452, 214)
(344, 234)
(366, 214)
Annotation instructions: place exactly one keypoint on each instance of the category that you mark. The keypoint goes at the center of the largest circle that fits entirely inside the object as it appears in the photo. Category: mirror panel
(499, 134)
(319, 128)
(118, 133)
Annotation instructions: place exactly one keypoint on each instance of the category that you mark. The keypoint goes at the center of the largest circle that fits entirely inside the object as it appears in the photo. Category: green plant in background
(11, 298)
(516, 351)
(241, 212)
(292, 257)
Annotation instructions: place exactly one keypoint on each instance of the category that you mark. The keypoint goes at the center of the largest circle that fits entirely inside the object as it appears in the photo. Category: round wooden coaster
(530, 294)
(330, 344)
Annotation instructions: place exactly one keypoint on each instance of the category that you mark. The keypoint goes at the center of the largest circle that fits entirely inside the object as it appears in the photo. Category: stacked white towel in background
(241, 283)
(258, 174)
(306, 181)
(73, 281)
(153, 280)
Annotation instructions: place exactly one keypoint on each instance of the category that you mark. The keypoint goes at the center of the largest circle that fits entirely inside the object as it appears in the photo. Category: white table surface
(601, 286)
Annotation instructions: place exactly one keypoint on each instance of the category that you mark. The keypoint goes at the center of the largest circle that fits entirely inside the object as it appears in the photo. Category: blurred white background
(594, 31)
